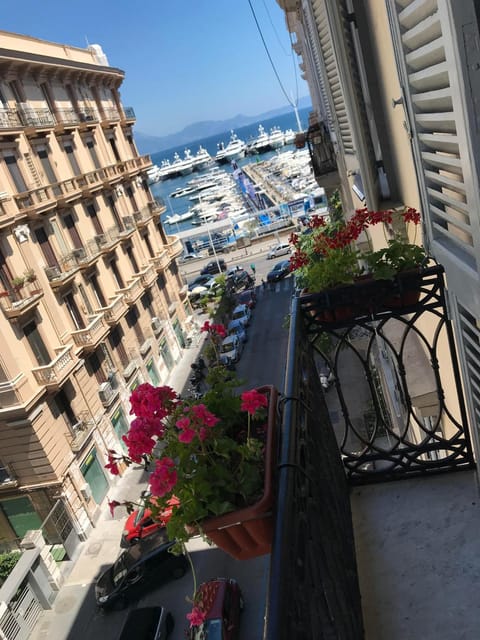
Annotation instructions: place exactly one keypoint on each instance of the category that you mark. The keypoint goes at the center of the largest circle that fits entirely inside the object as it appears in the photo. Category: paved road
(75, 616)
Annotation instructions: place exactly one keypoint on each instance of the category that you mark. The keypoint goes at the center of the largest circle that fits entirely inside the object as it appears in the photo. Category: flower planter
(342, 305)
(248, 532)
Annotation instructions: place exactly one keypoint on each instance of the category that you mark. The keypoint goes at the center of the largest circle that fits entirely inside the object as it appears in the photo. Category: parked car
(279, 271)
(213, 266)
(238, 280)
(230, 350)
(281, 249)
(242, 313)
(224, 603)
(147, 623)
(187, 257)
(236, 327)
(203, 280)
(248, 297)
(140, 523)
(141, 567)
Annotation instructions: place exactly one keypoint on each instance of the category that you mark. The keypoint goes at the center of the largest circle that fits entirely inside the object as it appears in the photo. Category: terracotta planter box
(247, 533)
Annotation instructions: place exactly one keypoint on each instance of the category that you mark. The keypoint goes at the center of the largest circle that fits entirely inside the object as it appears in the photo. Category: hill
(199, 130)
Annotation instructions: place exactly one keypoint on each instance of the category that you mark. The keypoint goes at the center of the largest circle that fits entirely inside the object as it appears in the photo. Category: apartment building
(91, 299)
(395, 82)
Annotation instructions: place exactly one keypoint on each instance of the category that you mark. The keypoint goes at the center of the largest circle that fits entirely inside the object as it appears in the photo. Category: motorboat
(234, 150)
(202, 159)
(275, 138)
(289, 136)
(186, 166)
(262, 142)
(180, 217)
(154, 174)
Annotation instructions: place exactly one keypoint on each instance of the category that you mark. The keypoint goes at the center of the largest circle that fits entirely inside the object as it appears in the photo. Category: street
(262, 362)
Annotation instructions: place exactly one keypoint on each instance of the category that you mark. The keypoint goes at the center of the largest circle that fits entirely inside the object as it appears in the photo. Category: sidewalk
(102, 546)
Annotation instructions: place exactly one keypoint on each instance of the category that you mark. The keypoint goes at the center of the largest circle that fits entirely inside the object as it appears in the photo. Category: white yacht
(202, 159)
(275, 139)
(262, 142)
(289, 136)
(234, 150)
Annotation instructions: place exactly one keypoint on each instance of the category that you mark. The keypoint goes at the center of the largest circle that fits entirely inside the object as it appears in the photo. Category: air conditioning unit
(80, 253)
(86, 492)
(52, 272)
(79, 426)
(157, 324)
(106, 393)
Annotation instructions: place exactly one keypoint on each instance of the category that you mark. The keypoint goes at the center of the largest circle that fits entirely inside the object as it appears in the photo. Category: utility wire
(289, 100)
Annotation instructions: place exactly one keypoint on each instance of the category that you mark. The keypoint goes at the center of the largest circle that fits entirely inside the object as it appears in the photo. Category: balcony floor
(418, 555)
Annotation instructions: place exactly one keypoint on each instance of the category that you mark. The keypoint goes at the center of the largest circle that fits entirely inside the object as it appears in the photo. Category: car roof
(213, 594)
(234, 324)
(240, 307)
(229, 339)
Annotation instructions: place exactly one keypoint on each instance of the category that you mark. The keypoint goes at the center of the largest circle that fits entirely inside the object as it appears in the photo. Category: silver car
(281, 249)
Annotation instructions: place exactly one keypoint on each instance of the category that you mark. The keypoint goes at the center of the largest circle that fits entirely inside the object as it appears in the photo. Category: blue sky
(185, 61)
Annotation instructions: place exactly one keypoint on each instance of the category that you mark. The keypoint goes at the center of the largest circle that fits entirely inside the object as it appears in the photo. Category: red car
(222, 602)
(248, 297)
(140, 523)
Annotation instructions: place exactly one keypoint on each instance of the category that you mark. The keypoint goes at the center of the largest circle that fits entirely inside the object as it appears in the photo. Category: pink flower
(148, 401)
(196, 617)
(202, 414)
(183, 423)
(112, 505)
(164, 477)
(112, 465)
(253, 400)
(186, 436)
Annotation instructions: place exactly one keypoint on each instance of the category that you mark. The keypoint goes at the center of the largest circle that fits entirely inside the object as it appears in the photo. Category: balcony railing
(89, 337)
(111, 113)
(142, 217)
(17, 301)
(157, 207)
(114, 311)
(31, 117)
(129, 113)
(393, 420)
(54, 374)
(80, 433)
(160, 261)
(175, 247)
(132, 291)
(67, 116)
(147, 276)
(9, 119)
(63, 272)
(88, 115)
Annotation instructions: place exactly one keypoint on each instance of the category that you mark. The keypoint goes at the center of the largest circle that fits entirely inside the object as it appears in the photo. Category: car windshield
(139, 516)
(227, 347)
(211, 629)
(121, 567)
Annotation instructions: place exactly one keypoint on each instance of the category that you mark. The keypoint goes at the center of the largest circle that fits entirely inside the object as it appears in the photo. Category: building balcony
(129, 114)
(128, 228)
(157, 207)
(92, 181)
(143, 162)
(35, 119)
(141, 218)
(109, 115)
(147, 276)
(160, 261)
(371, 547)
(88, 118)
(115, 311)
(66, 119)
(54, 374)
(108, 240)
(9, 210)
(90, 337)
(18, 301)
(174, 247)
(132, 291)
(80, 434)
(63, 272)
(86, 256)
(9, 119)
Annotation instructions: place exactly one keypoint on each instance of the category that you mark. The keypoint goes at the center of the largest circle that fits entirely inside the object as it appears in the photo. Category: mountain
(199, 130)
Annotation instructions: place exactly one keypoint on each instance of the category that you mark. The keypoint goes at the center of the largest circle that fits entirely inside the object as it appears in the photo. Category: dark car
(203, 280)
(143, 566)
(279, 271)
(239, 280)
(248, 297)
(213, 266)
(148, 623)
(222, 605)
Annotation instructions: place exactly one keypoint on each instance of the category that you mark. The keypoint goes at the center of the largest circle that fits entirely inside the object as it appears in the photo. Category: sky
(185, 61)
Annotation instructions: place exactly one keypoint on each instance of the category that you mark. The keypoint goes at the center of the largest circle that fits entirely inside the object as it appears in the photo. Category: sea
(163, 189)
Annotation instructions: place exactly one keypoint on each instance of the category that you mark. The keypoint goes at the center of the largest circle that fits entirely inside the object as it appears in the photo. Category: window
(131, 197)
(64, 408)
(131, 257)
(95, 366)
(74, 311)
(21, 515)
(148, 244)
(42, 153)
(116, 274)
(92, 214)
(71, 158)
(111, 204)
(14, 171)
(85, 299)
(97, 291)
(132, 319)
(115, 339)
(113, 144)
(72, 230)
(93, 153)
(36, 343)
(162, 286)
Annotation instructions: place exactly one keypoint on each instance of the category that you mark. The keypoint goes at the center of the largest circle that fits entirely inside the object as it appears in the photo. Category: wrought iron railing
(313, 591)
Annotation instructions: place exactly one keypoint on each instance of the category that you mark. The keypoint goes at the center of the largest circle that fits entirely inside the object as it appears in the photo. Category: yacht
(262, 142)
(289, 136)
(275, 139)
(234, 150)
(154, 174)
(202, 159)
